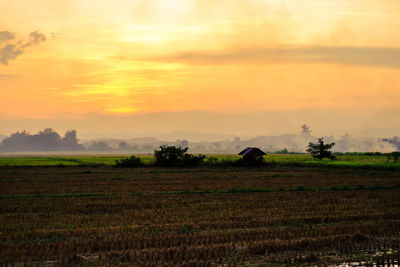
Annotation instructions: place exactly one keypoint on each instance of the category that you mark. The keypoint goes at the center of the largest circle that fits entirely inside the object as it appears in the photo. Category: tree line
(45, 140)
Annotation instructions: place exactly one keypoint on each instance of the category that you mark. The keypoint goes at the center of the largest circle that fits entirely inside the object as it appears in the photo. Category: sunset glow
(128, 57)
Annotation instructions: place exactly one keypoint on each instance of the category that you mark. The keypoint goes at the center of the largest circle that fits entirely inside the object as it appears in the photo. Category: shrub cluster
(169, 156)
(130, 162)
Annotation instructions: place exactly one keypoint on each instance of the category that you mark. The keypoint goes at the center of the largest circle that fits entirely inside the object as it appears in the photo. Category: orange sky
(132, 57)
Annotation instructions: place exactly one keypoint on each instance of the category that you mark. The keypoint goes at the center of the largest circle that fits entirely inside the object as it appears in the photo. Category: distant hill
(193, 136)
(113, 143)
(291, 142)
(143, 140)
(2, 137)
(234, 144)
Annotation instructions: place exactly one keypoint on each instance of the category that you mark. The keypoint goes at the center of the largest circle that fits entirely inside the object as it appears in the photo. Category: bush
(130, 162)
(169, 156)
(211, 160)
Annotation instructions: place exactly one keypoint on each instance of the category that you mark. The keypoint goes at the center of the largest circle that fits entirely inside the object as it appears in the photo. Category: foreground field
(275, 215)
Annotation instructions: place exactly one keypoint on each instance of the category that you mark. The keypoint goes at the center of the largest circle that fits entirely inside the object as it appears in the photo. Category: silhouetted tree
(321, 150)
(18, 141)
(70, 141)
(45, 140)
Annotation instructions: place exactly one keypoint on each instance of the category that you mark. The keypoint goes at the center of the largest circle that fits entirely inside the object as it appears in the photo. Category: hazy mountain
(291, 142)
(212, 126)
(142, 140)
(114, 142)
(196, 141)
(193, 136)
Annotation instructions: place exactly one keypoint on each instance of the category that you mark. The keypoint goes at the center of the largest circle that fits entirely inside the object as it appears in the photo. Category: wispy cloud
(361, 56)
(35, 38)
(11, 51)
(6, 36)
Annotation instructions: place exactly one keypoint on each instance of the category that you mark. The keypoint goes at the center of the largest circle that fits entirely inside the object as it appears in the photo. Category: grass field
(277, 215)
(302, 159)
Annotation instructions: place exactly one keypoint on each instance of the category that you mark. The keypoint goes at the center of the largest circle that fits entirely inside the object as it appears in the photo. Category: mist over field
(206, 132)
(213, 126)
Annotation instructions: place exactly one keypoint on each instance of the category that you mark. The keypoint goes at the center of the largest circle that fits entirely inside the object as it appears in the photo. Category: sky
(69, 61)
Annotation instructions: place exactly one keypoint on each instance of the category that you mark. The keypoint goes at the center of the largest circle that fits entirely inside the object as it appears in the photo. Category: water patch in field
(388, 258)
(368, 264)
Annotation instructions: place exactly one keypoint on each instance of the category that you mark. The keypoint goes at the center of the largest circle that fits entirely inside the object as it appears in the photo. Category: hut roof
(252, 152)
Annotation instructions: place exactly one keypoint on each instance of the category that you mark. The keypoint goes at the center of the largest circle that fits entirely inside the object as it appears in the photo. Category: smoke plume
(395, 141)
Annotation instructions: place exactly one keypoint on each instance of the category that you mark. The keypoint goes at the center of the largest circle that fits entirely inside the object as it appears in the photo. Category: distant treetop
(45, 140)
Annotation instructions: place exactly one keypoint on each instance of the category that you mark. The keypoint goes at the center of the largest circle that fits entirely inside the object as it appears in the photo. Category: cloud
(6, 36)
(35, 38)
(12, 51)
(361, 56)
(9, 52)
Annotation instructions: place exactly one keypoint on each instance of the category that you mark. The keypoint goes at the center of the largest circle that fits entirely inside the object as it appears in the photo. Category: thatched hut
(252, 154)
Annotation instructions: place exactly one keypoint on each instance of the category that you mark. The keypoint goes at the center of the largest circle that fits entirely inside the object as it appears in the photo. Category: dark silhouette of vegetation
(395, 156)
(70, 141)
(46, 140)
(130, 162)
(321, 150)
(169, 156)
